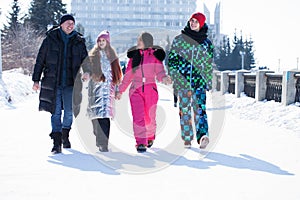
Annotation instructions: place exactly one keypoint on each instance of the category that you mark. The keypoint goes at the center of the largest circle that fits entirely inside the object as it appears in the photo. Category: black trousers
(101, 128)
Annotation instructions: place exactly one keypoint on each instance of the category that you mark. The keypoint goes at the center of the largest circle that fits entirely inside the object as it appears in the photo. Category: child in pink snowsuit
(144, 68)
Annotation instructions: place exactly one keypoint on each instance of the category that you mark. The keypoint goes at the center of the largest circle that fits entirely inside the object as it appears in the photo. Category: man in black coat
(59, 60)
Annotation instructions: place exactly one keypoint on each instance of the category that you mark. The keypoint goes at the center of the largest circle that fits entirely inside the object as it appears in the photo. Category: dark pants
(175, 98)
(175, 95)
(101, 128)
(63, 102)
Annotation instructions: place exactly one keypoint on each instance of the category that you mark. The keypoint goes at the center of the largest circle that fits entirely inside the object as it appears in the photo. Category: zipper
(144, 79)
(191, 68)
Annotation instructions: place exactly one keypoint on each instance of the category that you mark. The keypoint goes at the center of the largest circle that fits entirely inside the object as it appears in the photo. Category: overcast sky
(273, 25)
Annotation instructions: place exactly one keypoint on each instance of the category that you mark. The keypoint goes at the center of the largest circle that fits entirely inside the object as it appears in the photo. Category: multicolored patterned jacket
(190, 64)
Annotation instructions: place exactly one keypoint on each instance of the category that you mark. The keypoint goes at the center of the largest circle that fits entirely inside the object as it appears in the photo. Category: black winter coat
(49, 62)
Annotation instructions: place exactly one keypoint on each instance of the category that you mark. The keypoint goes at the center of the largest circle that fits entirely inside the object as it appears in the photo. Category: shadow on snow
(112, 163)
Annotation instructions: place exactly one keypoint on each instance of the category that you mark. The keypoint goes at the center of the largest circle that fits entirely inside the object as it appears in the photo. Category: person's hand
(118, 95)
(167, 80)
(36, 86)
(85, 77)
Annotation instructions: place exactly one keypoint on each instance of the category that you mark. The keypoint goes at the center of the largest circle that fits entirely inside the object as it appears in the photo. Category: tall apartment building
(125, 19)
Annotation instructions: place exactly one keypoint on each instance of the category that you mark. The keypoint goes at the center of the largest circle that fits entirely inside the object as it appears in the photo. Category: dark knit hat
(200, 18)
(66, 17)
(147, 39)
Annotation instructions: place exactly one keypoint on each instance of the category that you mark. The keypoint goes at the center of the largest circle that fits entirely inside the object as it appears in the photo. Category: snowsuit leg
(143, 107)
(200, 116)
(151, 98)
(185, 114)
(137, 102)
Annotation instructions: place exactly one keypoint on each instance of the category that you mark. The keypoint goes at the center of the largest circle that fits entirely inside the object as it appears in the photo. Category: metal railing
(261, 85)
(218, 82)
(231, 85)
(297, 96)
(274, 87)
(249, 84)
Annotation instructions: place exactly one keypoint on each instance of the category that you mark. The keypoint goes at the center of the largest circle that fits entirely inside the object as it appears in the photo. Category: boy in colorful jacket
(190, 64)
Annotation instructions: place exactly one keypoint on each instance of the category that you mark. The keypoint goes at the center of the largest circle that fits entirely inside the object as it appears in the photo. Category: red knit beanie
(199, 17)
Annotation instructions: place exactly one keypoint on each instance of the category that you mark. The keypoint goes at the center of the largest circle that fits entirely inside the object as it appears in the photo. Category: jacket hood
(136, 56)
(158, 52)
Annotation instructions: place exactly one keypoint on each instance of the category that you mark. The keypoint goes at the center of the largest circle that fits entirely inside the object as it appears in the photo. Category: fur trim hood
(136, 56)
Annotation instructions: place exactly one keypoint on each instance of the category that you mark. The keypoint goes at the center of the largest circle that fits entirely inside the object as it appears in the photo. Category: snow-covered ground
(254, 152)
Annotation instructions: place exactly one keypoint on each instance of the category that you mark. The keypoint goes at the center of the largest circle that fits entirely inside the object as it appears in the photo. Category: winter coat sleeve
(86, 65)
(208, 69)
(40, 61)
(85, 60)
(127, 77)
(173, 59)
(160, 71)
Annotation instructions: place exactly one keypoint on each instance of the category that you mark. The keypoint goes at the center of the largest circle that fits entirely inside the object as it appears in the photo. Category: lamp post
(242, 53)
(297, 62)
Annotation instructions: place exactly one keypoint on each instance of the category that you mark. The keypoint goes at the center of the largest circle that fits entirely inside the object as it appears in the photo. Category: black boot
(141, 148)
(65, 138)
(150, 143)
(56, 136)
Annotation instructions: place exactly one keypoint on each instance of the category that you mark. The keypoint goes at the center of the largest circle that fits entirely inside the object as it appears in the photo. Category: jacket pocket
(155, 89)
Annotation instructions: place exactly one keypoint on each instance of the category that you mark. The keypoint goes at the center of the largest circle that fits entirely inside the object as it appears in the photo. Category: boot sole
(66, 146)
(204, 142)
(56, 151)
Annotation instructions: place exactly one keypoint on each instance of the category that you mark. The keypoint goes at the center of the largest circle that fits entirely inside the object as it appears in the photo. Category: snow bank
(269, 112)
(15, 87)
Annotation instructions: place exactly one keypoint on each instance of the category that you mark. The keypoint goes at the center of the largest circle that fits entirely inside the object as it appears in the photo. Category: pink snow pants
(143, 108)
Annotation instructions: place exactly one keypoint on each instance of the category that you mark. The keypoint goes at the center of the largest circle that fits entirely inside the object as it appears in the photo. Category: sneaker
(204, 142)
(103, 148)
(150, 143)
(187, 144)
(141, 148)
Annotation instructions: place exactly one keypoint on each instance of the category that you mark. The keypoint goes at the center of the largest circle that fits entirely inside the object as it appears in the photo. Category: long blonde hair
(94, 56)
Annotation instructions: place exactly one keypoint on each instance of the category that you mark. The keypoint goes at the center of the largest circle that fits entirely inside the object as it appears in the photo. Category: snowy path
(247, 160)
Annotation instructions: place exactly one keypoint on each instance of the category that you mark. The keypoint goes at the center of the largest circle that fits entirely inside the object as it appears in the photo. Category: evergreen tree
(89, 43)
(13, 22)
(223, 52)
(236, 60)
(43, 13)
(88, 40)
(249, 56)
(227, 59)
(80, 29)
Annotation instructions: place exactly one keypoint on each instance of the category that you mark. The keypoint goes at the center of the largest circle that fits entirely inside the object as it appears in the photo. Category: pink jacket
(150, 69)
